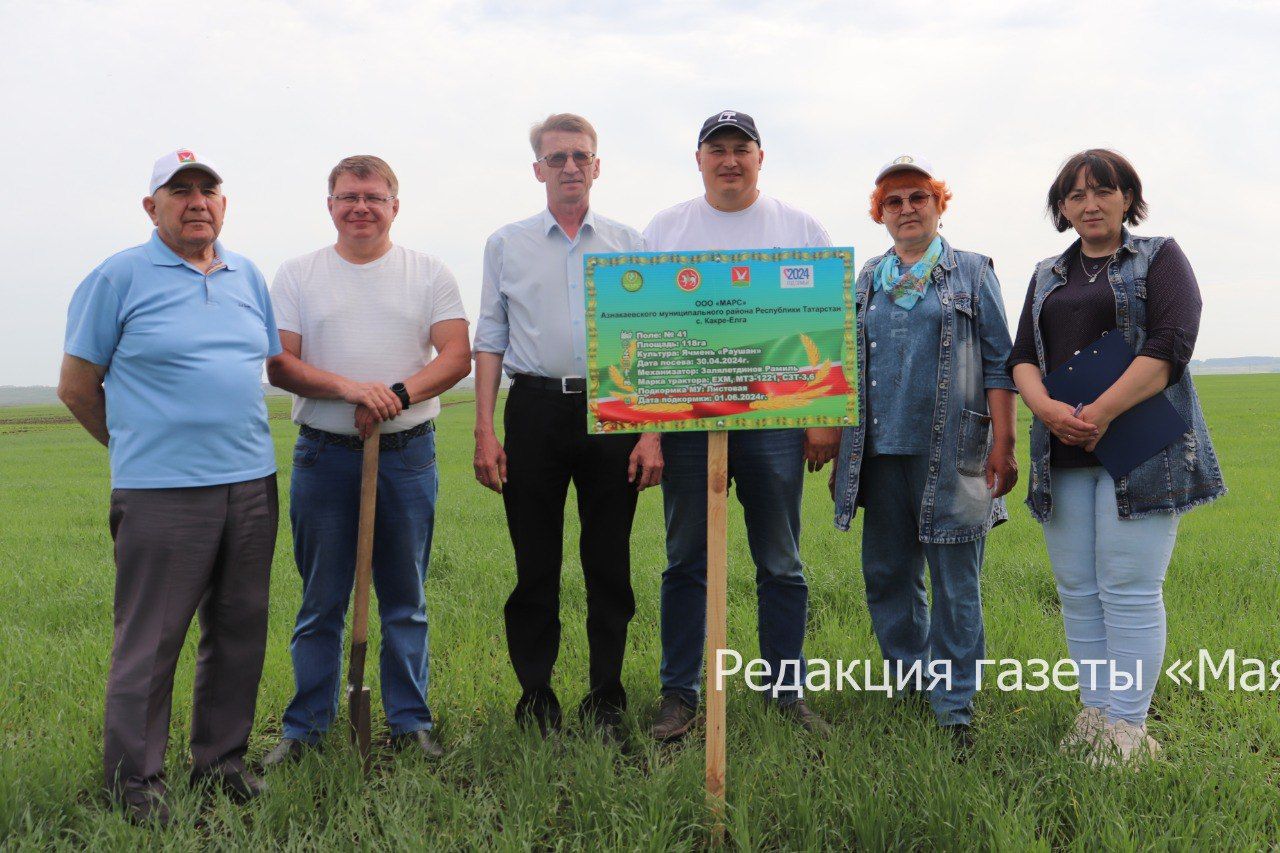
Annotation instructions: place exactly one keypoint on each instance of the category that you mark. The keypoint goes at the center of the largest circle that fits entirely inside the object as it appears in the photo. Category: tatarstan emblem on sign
(688, 279)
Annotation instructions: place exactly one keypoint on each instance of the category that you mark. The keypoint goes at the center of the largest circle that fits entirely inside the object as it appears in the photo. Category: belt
(386, 441)
(567, 385)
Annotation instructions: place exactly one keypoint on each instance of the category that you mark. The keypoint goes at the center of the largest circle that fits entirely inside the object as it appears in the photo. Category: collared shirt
(901, 372)
(972, 350)
(184, 351)
(532, 309)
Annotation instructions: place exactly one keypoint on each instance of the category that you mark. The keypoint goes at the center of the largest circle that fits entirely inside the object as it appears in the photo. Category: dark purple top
(1078, 312)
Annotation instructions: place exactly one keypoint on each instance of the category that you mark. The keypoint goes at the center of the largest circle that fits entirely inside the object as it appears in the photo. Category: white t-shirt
(369, 322)
(766, 224)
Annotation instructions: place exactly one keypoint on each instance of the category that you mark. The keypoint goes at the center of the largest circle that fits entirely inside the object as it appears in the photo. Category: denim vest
(957, 507)
(1183, 475)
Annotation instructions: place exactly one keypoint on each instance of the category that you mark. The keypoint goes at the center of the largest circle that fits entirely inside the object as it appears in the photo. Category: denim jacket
(1183, 475)
(957, 507)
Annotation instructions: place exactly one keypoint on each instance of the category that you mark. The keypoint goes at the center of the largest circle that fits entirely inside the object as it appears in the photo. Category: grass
(888, 778)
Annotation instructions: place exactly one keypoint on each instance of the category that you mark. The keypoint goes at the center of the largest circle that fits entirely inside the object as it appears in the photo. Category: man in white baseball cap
(163, 365)
(176, 161)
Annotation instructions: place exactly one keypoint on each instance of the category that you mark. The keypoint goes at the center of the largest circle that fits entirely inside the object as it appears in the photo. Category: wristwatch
(400, 392)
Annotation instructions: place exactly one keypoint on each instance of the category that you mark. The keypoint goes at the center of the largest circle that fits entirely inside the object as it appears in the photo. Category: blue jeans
(893, 563)
(324, 510)
(768, 468)
(1110, 576)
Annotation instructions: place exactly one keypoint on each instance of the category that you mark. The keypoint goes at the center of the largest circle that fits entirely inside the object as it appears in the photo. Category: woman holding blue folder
(1110, 540)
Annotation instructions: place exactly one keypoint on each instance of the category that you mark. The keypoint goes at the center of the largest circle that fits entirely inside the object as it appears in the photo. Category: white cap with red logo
(173, 163)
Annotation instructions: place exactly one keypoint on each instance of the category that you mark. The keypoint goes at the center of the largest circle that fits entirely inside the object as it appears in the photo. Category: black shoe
(675, 718)
(541, 708)
(420, 741)
(236, 782)
(962, 738)
(614, 734)
(804, 716)
(147, 806)
(602, 711)
(286, 751)
(607, 726)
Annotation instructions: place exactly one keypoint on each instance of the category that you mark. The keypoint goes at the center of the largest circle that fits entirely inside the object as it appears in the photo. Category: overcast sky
(995, 94)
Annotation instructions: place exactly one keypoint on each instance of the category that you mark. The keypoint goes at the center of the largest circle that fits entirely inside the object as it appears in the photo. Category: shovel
(357, 692)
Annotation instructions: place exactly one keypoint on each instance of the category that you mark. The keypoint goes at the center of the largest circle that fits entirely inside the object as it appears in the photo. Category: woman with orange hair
(932, 455)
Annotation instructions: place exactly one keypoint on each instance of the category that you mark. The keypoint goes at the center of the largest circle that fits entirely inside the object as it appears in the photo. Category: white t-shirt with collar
(767, 224)
(368, 322)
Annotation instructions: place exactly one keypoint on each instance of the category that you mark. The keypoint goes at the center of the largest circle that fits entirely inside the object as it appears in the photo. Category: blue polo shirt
(184, 354)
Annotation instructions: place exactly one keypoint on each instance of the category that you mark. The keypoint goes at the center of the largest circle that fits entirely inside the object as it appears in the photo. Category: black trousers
(547, 446)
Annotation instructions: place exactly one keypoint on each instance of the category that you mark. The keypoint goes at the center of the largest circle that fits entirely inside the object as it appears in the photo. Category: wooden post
(717, 631)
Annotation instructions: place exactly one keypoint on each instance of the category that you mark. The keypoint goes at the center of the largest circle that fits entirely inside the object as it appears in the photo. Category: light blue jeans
(1110, 575)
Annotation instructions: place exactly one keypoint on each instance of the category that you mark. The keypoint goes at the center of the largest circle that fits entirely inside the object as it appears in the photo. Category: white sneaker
(1087, 731)
(1126, 743)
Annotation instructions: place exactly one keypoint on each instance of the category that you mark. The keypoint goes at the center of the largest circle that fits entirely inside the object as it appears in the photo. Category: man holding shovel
(359, 322)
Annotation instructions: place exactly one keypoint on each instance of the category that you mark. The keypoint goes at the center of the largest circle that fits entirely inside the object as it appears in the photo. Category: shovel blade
(359, 715)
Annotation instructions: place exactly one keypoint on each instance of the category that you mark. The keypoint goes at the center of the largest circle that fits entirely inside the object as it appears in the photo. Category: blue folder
(1136, 435)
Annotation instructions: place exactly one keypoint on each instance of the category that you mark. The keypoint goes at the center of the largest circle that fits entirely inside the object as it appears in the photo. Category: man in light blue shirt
(532, 324)
(163, 362)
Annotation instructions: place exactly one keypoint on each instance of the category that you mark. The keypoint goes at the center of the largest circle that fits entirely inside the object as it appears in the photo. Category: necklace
(1098, 271)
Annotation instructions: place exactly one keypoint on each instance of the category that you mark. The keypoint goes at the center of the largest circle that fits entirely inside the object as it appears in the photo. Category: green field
(888, 778)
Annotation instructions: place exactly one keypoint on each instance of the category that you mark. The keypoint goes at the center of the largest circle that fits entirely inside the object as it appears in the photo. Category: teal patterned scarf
(905, 289)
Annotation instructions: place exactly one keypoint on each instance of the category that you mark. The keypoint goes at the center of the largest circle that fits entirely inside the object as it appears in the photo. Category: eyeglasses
(558, 160)
(893, 203)
(352, 199)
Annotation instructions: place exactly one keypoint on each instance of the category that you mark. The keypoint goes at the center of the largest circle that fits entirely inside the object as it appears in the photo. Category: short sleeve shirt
(767, 224)
(368, 322)
(183, 351)
(532, 308)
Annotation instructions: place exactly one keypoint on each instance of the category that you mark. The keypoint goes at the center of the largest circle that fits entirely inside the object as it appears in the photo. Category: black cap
(729, 118)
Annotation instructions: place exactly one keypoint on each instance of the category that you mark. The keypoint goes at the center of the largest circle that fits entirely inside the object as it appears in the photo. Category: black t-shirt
(1078, 312)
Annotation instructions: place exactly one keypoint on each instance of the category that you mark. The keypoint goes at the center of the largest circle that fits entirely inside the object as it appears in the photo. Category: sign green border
(851, 416)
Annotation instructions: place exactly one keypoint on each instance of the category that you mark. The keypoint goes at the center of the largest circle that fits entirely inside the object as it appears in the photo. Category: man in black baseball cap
(729, 118)
(767, 465)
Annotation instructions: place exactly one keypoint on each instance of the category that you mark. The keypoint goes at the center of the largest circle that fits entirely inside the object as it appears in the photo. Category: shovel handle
(364, 540)
(358, 710)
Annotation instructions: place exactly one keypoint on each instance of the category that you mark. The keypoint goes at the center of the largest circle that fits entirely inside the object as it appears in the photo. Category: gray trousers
(180, 552)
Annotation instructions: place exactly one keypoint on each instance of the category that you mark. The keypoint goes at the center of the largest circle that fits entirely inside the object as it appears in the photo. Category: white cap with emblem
(905, 163)
(173, 163)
